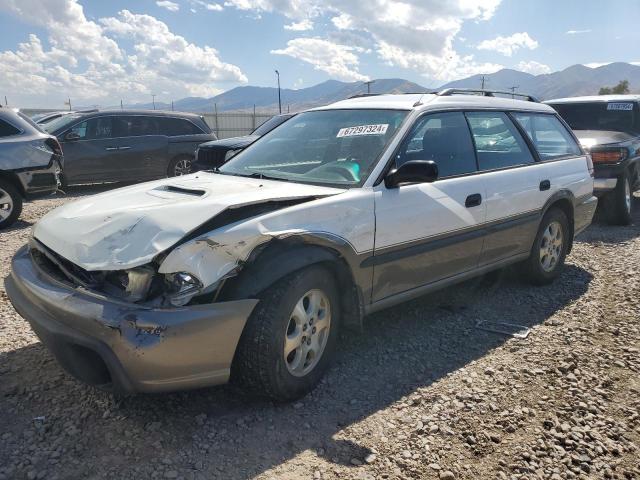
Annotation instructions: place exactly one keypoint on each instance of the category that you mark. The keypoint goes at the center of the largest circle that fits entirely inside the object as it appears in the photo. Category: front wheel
(179, 166)
(618, 203)
(289, 340)
(549, 248)
(10, 204)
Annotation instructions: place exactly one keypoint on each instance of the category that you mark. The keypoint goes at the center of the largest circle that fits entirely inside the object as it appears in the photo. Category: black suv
(608, 126)
(128, 145)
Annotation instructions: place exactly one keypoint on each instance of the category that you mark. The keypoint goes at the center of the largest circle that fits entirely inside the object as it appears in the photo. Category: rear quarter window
(549, 136)
(7, 130)
(177, 126)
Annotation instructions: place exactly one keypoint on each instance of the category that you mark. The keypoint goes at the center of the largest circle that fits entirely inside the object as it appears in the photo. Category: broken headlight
(181, 287)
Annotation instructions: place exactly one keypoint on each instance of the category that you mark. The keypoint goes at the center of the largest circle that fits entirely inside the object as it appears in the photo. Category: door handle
(473, 200)
(110, 149)
(545, 185)
(124, 148)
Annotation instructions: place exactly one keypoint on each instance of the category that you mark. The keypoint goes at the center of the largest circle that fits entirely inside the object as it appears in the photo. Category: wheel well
(12, 178)
(281, 258)
(565, 205)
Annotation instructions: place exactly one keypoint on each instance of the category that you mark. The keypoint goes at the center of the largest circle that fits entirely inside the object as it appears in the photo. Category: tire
(549, 250)
(260, 363)
(10, 204)
(618, 204)
(179, 166)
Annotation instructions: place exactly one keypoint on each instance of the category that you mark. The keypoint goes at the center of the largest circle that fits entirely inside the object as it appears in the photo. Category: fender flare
(568, 203)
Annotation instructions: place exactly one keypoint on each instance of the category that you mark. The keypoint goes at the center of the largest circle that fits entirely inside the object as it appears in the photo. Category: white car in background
(250, 271)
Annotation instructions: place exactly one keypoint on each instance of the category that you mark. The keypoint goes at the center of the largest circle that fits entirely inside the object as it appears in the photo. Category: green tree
(620, 89)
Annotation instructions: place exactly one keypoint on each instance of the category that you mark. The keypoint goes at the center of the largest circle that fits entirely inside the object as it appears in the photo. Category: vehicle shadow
(601, 232)
(19, 225)
(223, 433)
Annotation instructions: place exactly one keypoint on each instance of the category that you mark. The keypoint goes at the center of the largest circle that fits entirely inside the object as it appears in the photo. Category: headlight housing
(181, 288)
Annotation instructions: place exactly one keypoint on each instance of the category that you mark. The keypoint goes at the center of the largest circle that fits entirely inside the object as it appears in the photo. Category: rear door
(430, 231)
(89, 148)
(517, 185)
(142, 149)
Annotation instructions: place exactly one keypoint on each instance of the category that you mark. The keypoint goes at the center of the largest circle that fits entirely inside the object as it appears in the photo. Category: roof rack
(485, 93)
(360, 95)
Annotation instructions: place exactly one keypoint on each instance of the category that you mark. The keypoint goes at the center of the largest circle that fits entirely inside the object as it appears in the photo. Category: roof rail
(485, 93)
(360, 95)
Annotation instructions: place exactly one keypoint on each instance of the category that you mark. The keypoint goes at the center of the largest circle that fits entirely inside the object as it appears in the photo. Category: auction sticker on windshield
(379, 129)
(620, 106)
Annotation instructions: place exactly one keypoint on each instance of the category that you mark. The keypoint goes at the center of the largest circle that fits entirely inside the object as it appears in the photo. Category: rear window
(612, 116)
(497, 140)
(548, 135)
(177, 126)
(6, 129)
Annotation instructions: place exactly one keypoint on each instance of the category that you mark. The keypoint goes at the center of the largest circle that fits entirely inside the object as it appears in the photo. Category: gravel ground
(422, 393)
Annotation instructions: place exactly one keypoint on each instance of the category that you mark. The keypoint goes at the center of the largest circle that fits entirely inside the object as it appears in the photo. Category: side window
(443, 138)
(93, 129)
(548, 134)
(177, 126)
(6, 129)
(135, 126)
(498, 142)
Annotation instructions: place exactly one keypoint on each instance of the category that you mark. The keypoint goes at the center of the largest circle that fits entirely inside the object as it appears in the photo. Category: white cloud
(171, 6)
(577, 32)
(86, 59)
(300, 26)
(416, 34)
(533, 67)
(337, 60)
(509, 45)
(212, 7)
(596, 64)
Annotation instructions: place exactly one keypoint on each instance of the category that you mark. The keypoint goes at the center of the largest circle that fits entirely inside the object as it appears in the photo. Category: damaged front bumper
(130, 347)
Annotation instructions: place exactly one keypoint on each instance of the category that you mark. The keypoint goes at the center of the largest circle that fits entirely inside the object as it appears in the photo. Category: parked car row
(249, 271)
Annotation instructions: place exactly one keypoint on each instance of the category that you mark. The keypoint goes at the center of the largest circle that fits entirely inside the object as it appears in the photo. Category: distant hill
(572, 81)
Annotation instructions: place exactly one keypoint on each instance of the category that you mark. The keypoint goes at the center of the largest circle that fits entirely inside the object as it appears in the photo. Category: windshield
(334, 147)
(612, 116)
(270, 124)
(61, 122)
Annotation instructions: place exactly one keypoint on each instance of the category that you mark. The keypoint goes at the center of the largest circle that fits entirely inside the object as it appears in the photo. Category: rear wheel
(10, 204)
(289, 340)
(618, 204)
(179, 166)
(549, 248)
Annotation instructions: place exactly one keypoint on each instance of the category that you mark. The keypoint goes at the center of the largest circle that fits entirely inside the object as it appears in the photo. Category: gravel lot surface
(422, 393)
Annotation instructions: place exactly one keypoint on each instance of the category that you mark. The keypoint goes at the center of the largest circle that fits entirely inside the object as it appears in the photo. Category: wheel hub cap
(551, 246)
(183, 167)
(627, 195)
(307, 332)
(6, 205)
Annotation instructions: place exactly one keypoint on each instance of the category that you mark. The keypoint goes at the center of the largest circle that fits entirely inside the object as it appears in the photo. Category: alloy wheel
(551, 246)
(6, 205)
(307, 332)
(183, 167)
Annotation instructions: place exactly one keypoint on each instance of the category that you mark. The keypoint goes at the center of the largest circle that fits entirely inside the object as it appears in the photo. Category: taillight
(54, 145)
(590, 165)
(609, 155)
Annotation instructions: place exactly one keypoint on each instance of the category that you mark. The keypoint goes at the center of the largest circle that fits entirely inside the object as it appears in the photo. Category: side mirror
(413, 171)
(71, 137)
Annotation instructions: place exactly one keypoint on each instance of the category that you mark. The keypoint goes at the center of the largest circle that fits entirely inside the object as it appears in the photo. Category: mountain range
(572, 81)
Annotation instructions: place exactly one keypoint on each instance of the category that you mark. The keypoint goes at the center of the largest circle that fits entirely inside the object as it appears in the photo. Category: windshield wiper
(262, 176)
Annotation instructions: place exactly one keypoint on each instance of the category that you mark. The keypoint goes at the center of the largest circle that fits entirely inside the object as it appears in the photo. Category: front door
(431, 231)
(88, 148)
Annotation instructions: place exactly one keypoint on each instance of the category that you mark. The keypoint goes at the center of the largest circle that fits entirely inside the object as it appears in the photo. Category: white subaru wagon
(249, 271)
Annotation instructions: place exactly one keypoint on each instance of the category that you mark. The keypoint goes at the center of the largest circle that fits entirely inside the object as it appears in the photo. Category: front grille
(209, 157)
(62, 269)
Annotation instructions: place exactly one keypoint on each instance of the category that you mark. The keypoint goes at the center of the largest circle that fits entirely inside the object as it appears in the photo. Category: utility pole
(121, 105)
(215, 108)
(513, 90)
(6, 104)
(68, 102)
(279, 98)
(153, 99)
(172, 105)
(368, 84)
(482, 83)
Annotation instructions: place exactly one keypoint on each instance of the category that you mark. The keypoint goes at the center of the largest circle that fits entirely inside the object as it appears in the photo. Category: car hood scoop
(128, 227)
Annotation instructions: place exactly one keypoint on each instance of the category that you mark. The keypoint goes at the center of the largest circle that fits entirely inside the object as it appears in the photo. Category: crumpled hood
(591, 138)
(127, 227)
